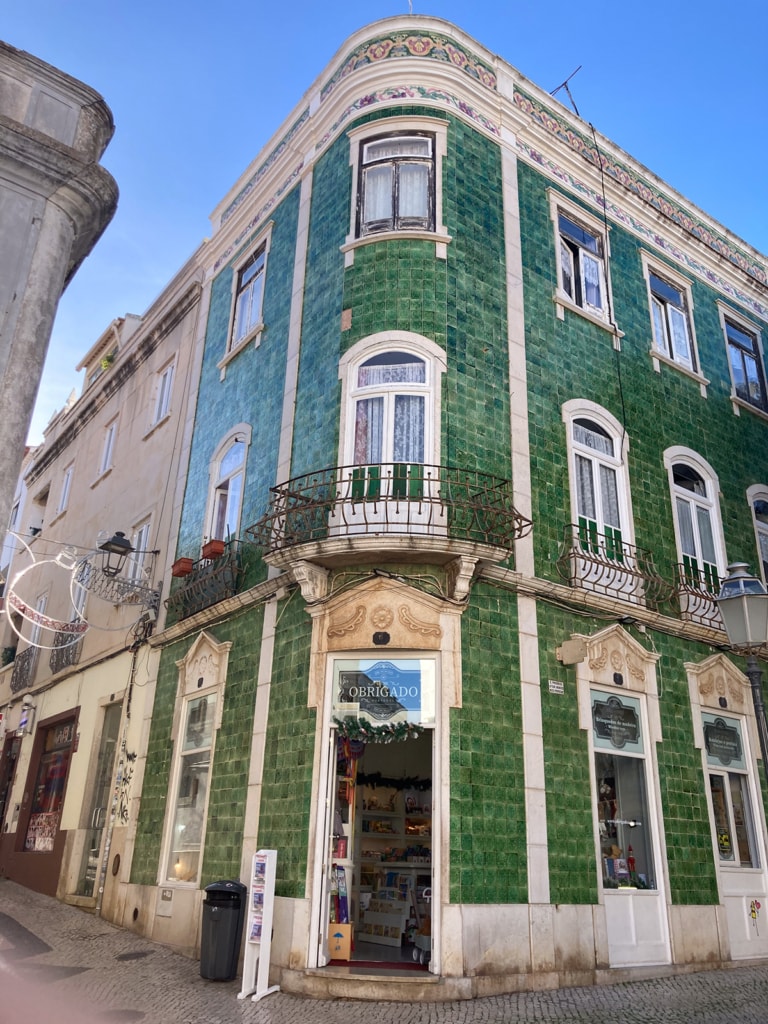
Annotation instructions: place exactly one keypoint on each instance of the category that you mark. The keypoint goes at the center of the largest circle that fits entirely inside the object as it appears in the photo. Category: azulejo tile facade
(488, 451)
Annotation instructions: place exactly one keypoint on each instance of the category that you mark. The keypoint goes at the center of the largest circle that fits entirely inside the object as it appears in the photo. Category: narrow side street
(58, 963)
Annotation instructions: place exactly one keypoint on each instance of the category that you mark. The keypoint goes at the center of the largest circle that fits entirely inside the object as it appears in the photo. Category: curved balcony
(696, 589)
(604, 563)
(432, 512)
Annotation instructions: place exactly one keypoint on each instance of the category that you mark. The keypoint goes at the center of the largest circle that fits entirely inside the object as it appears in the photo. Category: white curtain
(378, 194)
(413, 192)
(411, 372)
(591, 274)
(369, 423)
(408, 441)
(585, 488)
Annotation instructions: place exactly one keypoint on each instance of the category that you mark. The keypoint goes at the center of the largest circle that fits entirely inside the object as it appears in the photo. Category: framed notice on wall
(261, 902)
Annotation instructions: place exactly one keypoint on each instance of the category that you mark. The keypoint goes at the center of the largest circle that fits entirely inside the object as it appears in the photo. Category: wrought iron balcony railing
(696, 587)
(24, 668)
(64, 652)
(210, 580)
(390, 498)
(603, 562)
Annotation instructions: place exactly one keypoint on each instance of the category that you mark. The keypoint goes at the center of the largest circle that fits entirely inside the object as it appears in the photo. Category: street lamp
(116, 550)
(743, 604)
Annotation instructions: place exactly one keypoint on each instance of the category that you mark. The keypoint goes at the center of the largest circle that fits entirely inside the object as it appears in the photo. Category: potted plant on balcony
(213, 548)
(182, 567)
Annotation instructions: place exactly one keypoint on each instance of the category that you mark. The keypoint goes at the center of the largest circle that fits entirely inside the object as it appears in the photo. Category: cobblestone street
(58, 963)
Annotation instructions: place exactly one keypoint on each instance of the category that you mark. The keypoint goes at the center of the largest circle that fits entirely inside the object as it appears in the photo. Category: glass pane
(408, 442)
(585, 488)
(722, 818)
(592, 286)
(397, 146)
(413, 195)
(592, 436)
(392, 368)
(369, 421)
(186, 838)
(200, 715)
(667, 292)
(377, 183)
(685, 525)
(738, 371)
(234, 457)
(680, 344)
(705, 535)
(659, 327)
(566, 269)
(234, 495)
(687, 478)
(609, 496)
(742, 820)
(99, 805)
(623, 824)
(583, 238)
(394, 690)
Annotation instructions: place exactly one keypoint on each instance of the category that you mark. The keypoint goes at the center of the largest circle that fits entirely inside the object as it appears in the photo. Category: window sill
(739, 404)
(60, 513)
(253, 336)
(100, 477)
(660, 357)
(440, 237)
(155, 425)
(563, 302)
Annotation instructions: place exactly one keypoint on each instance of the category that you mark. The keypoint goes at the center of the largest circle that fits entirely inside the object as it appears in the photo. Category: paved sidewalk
(59, 964)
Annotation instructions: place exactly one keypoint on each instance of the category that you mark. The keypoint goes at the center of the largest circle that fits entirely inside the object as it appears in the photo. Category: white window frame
(435, 362)
(678, 455)
(108, 448)
(140, 544)
(163, 392)
(755, 493)
(559, 204)
(173, 805)
(261, 244)
(358, 137)
(582, 409)
(744, 773)
(741, 323)
(665, 353)
(240, 433)
(66, 487)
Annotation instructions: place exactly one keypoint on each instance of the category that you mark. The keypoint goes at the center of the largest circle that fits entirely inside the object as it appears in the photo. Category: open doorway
(382, 853)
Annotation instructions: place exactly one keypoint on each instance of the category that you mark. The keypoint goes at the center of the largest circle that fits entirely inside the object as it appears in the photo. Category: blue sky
(197, 89)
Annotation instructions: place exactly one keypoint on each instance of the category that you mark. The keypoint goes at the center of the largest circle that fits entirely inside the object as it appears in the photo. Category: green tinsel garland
(361, 729)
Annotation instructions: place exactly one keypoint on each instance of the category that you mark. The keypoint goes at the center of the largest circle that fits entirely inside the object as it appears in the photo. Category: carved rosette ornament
(382, 617)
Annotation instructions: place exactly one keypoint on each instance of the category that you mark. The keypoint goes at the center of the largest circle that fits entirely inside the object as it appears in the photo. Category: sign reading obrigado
(373, 695)
(723, 741)
(615, 722)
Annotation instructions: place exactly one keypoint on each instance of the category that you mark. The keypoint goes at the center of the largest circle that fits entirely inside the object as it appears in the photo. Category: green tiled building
(480, 424)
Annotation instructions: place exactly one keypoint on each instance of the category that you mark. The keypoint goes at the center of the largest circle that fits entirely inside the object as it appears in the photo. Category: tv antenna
(564, 85)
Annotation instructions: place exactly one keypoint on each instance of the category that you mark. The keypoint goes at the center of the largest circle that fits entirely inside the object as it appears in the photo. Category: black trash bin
(223, 915)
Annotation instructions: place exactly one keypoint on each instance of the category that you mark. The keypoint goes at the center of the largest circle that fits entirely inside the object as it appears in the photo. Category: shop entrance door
(382, 854)
(98, 811)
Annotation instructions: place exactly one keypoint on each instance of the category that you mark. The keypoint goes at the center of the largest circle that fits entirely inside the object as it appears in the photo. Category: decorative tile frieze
(411, 44)
(587, 149)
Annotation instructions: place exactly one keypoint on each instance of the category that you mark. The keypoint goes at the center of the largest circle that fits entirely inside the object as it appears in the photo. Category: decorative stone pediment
(615, 658)
(716, 680)
(383, 613)
(204, 665)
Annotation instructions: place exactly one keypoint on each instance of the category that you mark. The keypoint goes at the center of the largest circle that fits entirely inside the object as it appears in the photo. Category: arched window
(389, 397)
(227, 481)
(694, 488)
(758, 502)
(600, 504)
(390, 410)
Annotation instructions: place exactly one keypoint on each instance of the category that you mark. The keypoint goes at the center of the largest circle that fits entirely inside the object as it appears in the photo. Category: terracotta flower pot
(213, 548)
(182, 567)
